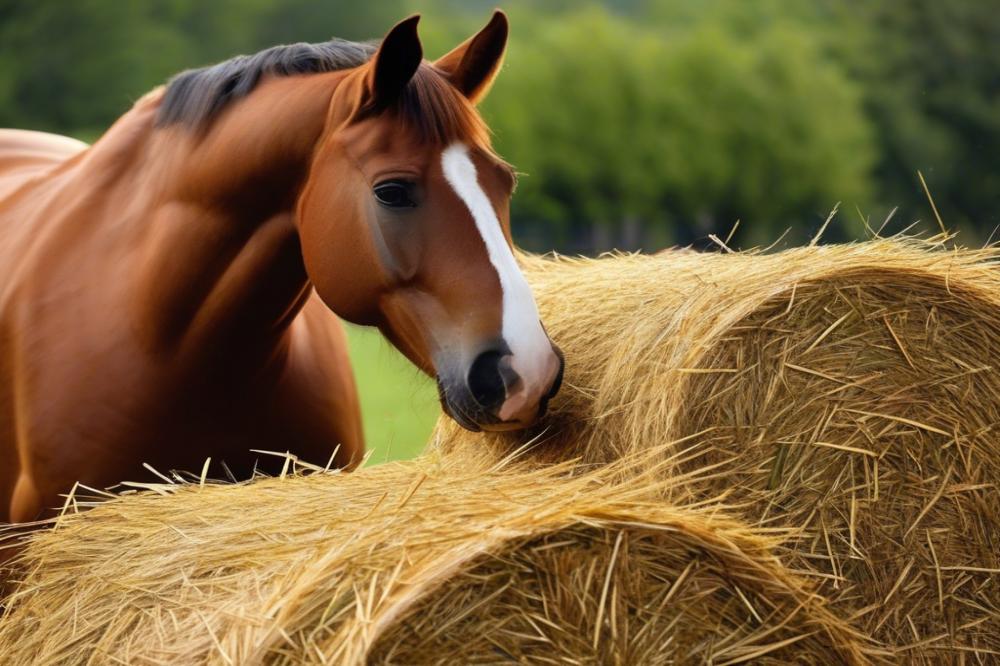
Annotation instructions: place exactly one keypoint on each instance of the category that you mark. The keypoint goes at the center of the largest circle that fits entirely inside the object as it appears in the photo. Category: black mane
(194, 97)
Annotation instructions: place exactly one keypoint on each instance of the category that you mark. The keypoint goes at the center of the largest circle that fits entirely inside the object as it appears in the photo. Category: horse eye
(394, 194)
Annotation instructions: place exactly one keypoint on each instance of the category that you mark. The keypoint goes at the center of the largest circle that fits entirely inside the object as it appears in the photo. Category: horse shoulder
(318, 397)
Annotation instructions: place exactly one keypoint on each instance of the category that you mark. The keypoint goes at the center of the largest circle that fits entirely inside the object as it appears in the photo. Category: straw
(847, 391)
(430, 561)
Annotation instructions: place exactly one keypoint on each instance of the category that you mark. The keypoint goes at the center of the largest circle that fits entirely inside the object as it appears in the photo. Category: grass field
(398, 404)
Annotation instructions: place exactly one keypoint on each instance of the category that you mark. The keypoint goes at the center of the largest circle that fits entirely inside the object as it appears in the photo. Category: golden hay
(420, 562)
(849, 391)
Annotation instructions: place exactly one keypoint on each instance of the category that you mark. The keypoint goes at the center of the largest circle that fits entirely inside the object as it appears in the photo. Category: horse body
(171, 293)
(110, 358)
(24, 154)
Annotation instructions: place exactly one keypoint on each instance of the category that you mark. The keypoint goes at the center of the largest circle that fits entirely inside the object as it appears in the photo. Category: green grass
(398, 403)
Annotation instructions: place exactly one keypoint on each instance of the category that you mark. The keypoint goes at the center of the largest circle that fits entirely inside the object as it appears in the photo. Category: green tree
(311, 21)
(929, 73)
(74, 67)
(617, 127)
(931, 76)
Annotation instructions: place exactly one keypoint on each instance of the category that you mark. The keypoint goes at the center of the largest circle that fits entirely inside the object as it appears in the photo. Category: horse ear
(394, 64)
(473, 64)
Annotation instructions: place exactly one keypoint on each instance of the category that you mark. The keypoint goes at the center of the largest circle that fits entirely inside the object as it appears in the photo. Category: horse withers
(170, 293)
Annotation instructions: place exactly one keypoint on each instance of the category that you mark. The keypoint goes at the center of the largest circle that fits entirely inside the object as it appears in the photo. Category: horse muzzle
(491, 395)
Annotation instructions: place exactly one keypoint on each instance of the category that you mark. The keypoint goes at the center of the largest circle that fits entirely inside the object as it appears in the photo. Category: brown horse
(166, 294)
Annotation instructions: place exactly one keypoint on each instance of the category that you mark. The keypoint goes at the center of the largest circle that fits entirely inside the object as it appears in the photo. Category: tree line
(635, 123)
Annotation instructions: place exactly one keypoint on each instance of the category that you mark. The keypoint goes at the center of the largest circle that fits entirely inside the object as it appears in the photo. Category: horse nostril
(486, 381)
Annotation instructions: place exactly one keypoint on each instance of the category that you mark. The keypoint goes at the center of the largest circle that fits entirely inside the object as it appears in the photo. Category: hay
(422, 562)
(842, 398)
(850, 391)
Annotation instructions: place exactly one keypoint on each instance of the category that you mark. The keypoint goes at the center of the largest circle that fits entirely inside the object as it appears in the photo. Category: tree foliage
(931, 76)
(614, 123)
(635, 122)
(75, 66)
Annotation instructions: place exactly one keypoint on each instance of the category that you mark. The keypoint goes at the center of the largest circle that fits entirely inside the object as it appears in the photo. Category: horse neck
(252, 160)
(222, 267)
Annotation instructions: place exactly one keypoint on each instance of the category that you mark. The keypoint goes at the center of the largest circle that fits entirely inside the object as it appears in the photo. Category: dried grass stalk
(848, 391)
(420, 562)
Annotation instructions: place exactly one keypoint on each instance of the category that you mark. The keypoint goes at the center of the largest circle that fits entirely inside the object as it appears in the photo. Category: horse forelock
(438, 112)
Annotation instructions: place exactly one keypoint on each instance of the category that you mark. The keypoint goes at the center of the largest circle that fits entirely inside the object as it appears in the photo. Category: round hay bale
(850, 392)
(423, 562)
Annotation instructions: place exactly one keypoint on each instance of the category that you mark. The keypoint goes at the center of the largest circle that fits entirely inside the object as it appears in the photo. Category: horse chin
(503, 426)
(480, 422)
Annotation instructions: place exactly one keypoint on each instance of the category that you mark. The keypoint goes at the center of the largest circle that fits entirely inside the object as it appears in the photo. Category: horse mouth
(461, 419)
(456, 412)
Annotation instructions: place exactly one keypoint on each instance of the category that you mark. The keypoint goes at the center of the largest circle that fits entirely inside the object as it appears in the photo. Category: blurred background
(637, 124)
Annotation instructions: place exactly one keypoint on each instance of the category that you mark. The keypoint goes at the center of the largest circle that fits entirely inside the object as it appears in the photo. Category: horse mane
(429, 103)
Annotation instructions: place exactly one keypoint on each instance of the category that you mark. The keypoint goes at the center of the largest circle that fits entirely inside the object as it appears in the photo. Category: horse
(174, 292)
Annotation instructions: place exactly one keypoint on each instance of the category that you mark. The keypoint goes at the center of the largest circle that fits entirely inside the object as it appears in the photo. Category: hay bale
(848, 391)
(422, 562)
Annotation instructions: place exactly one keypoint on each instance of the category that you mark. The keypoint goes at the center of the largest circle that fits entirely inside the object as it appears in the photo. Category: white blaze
(532, 356)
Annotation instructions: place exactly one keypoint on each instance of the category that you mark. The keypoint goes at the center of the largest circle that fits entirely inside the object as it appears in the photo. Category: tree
(74, 67)
(616, 126)
(931, 76)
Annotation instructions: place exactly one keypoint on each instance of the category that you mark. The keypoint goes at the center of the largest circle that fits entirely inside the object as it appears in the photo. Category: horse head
(404, 224)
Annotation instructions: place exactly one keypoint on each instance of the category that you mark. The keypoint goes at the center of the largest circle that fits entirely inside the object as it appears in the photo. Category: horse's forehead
(377, 140)
(378, 144)
(382, 132)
